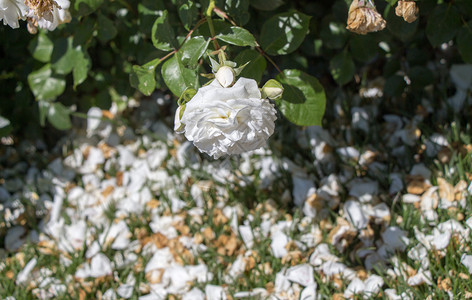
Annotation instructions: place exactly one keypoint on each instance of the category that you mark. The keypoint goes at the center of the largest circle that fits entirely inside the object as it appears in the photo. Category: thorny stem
(168, 55)
(268, 58)
(224, 15)
(157, 62)
(211, 5)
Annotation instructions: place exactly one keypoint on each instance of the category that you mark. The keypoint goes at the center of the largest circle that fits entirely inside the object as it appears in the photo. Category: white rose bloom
(11, 11)
(231, 120)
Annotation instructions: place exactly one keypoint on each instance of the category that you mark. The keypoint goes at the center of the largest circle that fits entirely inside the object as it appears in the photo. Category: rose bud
(225, 76)
(272, 90)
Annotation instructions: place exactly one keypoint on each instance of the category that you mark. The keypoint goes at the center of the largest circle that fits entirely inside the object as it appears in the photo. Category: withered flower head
(42, 9)
(408, 10)
(364, 18)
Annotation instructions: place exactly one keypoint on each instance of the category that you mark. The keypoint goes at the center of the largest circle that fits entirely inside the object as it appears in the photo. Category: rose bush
(230, 120)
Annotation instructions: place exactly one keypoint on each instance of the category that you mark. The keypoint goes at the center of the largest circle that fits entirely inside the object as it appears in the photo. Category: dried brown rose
(408, 10)
(42, 8)
(364, 18)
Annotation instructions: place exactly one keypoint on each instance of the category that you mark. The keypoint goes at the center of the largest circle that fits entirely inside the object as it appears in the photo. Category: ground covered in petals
(376, 203)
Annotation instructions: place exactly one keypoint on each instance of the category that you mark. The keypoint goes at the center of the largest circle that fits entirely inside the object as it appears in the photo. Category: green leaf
(58, 116)
(106, 29)
(304, 100)
(363, 48)
(266, 5)
(464, 43)
(84, 31)
(193, 49)
(443, 24)
(219, 25)
(465, 6)
(237, 9)
(334, 34)
(188, 13)
(399, 27)
(148, 11)
(342, 68)
(237, 36)
(64, 55)
(163, 37)
(420, 77)
(5, 126)
(143, 77)
(255, 68)
(46, 85)
(82, 66)
(41, 47)
(177, 77)
(284, 33)
(43, 107)
(394, 86)
(85, 7)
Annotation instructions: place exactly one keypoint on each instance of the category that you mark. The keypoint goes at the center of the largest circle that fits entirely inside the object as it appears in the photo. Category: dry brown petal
(444, 284)
(337, 281)
(315, 201)
(338, 296)
(10, 274)
(181, 254)
(219, 218)
(154, 276)
(231, 245)
(250, 263)
(361, 273)
(208, 234)
(463, 276)
(446, 190)
(269, 287)
(364, 18)
(86, 152)
(47, 247)
(417, 187)
(108, 114)
(444, 155)
(153, 203)
(293, 257)
(408, 10)
(144, 288)
(342, 235)
(32, 26)
(107, 150)
(267, 269)
(107, 191)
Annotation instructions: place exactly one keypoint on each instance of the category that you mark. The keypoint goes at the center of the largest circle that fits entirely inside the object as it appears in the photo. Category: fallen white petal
(301, 274)
(23, 275)
(355, 287)
(466, 260)
(372, 285)
(309, 292)
(194, 294)
(214, 292)
(354, 213)
(395, 238)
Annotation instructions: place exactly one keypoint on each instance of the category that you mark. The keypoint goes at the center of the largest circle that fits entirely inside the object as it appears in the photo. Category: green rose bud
(272, 90)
